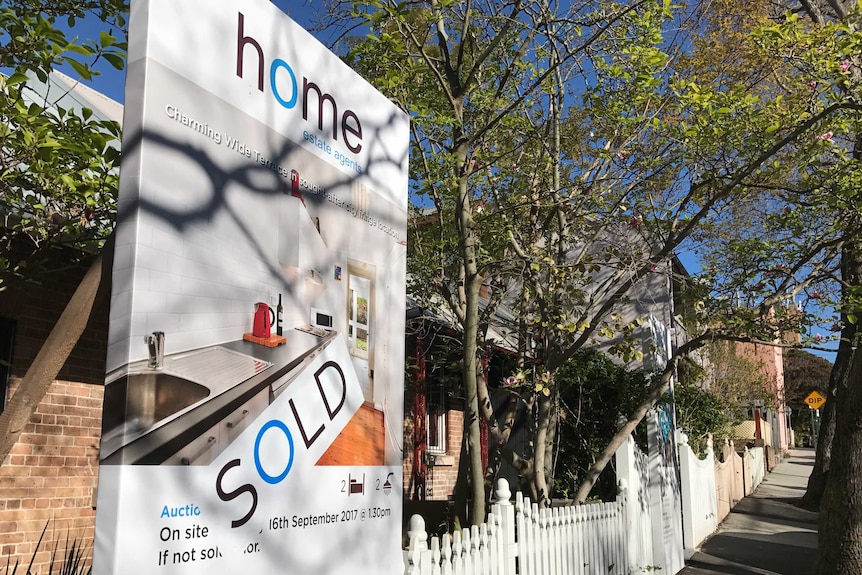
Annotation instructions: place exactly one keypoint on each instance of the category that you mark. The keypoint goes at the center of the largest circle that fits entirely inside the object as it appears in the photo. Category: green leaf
(106, 39)
(82, 70)
(80, 49)
(118, 62)
(16, 78)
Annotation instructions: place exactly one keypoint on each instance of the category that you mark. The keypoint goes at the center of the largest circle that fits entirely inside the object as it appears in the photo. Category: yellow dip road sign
(815, 400)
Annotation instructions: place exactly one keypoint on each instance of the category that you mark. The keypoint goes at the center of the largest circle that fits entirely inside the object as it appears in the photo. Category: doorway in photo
(360, 323)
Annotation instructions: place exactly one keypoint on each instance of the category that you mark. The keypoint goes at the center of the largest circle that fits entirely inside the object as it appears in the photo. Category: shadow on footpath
(767, 553)
(777, 510)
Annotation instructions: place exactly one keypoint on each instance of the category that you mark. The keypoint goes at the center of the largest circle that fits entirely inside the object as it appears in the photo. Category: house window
(436, 423)
(7, 342)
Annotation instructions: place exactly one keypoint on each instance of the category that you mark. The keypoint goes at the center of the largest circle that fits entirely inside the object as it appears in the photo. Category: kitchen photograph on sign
(254, 387)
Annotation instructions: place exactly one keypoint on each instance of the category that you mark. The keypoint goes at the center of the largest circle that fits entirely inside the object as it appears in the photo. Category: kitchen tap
(156, 345)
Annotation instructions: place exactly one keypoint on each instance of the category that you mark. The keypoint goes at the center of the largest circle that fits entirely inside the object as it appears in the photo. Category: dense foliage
(58, 166)
(595, 393)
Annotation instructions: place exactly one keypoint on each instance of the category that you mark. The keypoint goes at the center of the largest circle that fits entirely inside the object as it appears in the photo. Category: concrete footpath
(765, 534)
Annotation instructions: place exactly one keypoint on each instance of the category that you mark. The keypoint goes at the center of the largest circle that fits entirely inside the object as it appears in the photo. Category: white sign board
(240, 435)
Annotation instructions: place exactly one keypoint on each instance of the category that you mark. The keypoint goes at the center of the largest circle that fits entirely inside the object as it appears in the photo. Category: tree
(817, 46)
(58, 170)
(702, 415)
(804, 372)
(477, 78)
(487, 91)
(711, 150)
(736, 379)
(563, 212)
(801, 233)
(711, 401)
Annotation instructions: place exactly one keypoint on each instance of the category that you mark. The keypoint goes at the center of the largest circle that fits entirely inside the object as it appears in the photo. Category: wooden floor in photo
(360, 442)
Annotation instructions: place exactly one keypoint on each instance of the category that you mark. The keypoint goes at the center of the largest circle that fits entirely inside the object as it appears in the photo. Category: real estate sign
(254, 387)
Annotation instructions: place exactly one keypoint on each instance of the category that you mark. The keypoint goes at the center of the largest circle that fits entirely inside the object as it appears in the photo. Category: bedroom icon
(355, 485)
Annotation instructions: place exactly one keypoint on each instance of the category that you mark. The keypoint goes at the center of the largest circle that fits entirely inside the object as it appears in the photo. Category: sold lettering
(332, 393)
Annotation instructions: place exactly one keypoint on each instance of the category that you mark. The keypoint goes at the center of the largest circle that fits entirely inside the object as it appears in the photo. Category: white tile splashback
(195, 286)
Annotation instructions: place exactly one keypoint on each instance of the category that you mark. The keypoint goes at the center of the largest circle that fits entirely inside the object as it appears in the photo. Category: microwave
(321, 318)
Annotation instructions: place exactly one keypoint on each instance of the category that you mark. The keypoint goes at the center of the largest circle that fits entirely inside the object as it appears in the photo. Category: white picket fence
(572, 540)
(519, 538)
(755, 466)
(523, 539)
(711, 488)
(700, 502)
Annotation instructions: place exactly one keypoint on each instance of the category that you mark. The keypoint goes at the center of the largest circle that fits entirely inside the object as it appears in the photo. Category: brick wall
(36, 304)
(441, 478)
(444, 474)
(50, 475)
(52, 471)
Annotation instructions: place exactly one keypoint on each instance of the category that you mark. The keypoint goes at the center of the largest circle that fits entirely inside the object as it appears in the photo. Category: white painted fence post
(436, 556)
(468, 552)
(486, 547)
(496, 549)
(506, 513)
(687, 479)
(446, 553)
(629, 480)
(458, 554)
(417, 556)
(528, 552)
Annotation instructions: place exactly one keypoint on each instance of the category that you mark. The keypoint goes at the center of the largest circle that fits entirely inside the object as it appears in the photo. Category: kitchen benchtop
(284, 357)
(165, 438)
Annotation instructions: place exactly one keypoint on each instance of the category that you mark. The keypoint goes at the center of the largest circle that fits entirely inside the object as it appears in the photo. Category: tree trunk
(551, 444)
(819, 473)
(539, 482)
(461, 492)
(840, 529)
(472, 283)
(851, 269)
(51, 357)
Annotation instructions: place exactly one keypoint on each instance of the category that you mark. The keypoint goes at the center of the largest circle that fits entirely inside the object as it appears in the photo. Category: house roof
(67, 92)
(501, 330)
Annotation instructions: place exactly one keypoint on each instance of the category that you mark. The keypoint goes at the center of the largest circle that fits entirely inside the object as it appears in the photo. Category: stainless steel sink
(140, 400)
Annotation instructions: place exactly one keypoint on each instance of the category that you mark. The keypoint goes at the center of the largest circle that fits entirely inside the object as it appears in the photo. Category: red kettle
(263, 318)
